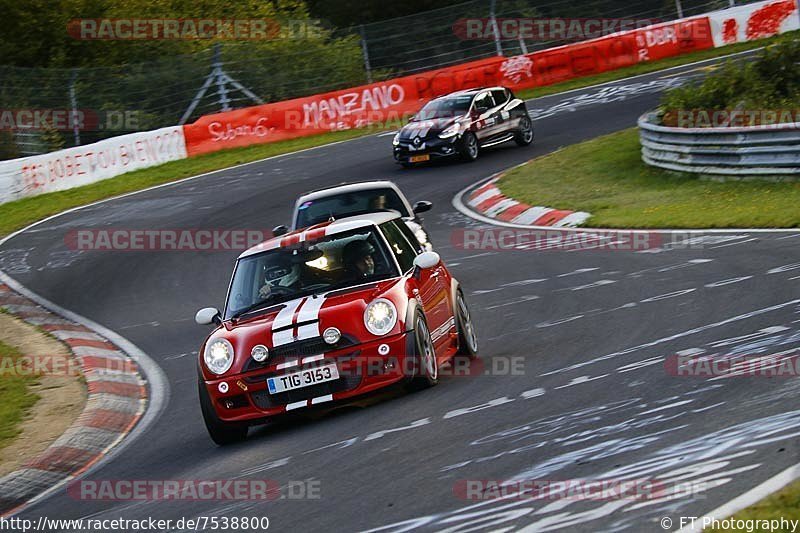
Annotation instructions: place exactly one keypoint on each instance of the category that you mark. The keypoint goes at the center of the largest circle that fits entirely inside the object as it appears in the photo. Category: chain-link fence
(110, 101)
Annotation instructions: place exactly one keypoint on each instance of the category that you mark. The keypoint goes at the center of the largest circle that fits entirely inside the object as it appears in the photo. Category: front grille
(303, 348)
(265, 400)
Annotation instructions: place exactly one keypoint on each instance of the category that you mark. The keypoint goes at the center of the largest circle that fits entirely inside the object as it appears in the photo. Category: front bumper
(361, 369)
(433, 147)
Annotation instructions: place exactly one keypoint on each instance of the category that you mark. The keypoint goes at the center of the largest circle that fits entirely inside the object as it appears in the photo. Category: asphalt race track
(593, 398)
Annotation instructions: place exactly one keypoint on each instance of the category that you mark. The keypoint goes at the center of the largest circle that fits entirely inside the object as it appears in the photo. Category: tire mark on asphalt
(676, 336)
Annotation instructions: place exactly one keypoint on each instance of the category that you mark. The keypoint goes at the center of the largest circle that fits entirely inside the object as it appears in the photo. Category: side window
(401, 248)
(500, 96)
(409, 234)
(483, 102)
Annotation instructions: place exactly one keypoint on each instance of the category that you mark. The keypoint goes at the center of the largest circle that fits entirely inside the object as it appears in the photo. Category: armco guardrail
(759, 151)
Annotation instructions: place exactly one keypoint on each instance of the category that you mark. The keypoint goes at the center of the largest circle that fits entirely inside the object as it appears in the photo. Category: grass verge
(607, 178)
(16, 399)
(20, 213)
(782, 504)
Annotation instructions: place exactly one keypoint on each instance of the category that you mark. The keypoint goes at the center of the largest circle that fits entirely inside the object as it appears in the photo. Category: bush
(769, 82)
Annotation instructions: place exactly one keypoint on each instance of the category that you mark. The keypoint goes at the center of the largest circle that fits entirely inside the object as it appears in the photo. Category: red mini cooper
(326, 313)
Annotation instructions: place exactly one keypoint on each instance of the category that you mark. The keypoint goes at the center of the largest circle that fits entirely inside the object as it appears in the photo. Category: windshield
(453, 106)
(331, 262)
(349, 204)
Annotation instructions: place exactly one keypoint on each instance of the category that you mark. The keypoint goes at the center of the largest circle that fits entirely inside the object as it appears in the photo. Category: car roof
(352, 187)
(470, 91)
(347, 187)
(331, 228)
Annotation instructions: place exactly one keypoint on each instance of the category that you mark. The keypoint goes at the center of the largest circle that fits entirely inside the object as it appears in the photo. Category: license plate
(419, 158)
(304, 378)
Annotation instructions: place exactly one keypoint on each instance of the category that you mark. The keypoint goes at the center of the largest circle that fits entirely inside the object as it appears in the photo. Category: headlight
(380, 316)
(452, 131)
(218, 356)
(396, 139)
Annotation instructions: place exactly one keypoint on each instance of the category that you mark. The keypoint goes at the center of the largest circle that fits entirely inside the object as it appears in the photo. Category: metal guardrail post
(493, 23)
(522, 47)
(73, 102)
(222, 79)
(224, 102)
(365, 53)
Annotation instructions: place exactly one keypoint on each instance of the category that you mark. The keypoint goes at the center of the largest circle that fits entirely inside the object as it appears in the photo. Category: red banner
(606, 53)
(396, 98)
(338, 110)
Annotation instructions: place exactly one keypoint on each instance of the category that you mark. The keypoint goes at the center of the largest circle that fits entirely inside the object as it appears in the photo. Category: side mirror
(208, 315)
(427, 260)
(421, 207)
(277, 231)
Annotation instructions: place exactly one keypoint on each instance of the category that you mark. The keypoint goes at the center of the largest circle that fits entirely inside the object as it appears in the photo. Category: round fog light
(259, 353)
(383, 349)
(223, 387)
(331, 335)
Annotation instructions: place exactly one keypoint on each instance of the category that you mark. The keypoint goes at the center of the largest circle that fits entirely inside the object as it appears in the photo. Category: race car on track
(327, 313)
(352, 199)
(461, 123)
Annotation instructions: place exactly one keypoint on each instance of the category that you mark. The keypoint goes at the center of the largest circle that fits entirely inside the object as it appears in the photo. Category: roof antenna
(331, 218)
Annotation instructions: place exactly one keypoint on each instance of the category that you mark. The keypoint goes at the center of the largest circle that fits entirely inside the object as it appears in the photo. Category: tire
(524, 135)
(426, 368)
(468, 147)
(222, 433)
(467, 339)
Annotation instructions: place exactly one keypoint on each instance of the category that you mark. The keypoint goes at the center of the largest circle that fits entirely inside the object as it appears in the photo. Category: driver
(378, 203)
(284, 273)
(357, 259)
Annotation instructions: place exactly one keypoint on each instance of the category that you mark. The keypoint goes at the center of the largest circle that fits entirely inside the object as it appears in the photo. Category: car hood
(426, 128)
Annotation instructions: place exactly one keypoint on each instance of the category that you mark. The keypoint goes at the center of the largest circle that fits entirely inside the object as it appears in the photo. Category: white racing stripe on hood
(309, 311)
(283, 320)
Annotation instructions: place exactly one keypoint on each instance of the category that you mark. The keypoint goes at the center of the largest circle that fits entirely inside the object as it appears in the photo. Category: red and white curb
(117, 398)
(488, 201)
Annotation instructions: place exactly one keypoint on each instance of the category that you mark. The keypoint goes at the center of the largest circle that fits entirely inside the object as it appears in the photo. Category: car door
(503, 118)
(483, 116)
(430, 284)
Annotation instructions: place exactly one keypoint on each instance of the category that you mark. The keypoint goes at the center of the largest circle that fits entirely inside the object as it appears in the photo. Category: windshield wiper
(258, 306)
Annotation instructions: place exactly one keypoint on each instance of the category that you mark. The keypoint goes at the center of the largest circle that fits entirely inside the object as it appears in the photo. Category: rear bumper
(361, 369)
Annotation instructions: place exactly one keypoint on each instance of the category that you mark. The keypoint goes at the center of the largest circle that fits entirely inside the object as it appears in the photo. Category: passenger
(358, 260)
